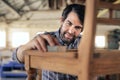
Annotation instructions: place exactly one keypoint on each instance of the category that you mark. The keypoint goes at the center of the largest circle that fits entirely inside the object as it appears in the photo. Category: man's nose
(72, 29)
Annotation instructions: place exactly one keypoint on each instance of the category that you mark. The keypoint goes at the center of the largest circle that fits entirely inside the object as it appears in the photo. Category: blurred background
(21, 20)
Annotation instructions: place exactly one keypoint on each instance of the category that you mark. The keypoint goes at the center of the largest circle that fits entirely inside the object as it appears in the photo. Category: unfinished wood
(27, 61)
(68, 54)
(107, 62)
(39, 73)
(108, 5)
(108, 21)
(28, 68)
(86, 46)
(55, 63)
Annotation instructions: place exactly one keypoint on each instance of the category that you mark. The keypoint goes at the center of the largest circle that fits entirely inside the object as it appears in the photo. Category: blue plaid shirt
(50, 75)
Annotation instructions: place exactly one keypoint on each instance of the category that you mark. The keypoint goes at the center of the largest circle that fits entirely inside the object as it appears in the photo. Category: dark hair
(77, 8)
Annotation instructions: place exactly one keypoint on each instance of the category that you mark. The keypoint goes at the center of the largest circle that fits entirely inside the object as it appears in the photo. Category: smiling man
(72, 20)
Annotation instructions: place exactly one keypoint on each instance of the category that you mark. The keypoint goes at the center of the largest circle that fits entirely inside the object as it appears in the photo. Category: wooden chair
(86, 62)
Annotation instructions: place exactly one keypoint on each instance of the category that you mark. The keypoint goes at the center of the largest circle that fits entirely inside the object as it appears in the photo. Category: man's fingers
(56, 41)
(49, 39)
(37, 45)
(42, 43)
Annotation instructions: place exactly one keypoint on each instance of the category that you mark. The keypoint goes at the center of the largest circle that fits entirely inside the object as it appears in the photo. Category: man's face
(71, 28)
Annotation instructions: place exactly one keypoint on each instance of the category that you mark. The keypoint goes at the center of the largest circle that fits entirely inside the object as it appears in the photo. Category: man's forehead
(73, 17)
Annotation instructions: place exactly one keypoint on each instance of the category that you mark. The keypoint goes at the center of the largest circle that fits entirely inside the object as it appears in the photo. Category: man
(68, 34)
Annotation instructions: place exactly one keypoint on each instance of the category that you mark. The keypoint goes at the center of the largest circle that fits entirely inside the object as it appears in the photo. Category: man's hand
(40, 43)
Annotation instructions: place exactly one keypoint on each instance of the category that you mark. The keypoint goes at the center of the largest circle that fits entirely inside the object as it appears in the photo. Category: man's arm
(40, 43)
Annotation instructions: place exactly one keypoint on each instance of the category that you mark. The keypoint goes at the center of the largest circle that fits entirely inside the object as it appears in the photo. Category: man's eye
(69, 24)
(78, 27)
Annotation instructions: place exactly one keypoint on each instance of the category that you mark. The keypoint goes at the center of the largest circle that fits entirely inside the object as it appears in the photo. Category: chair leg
(39, 75)
(31, 74)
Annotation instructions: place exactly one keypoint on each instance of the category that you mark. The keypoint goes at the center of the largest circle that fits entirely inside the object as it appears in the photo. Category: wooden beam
(10, 8)
(55, 63)
(108, 21)
(106, 10)
(107, 62)
(108, 5)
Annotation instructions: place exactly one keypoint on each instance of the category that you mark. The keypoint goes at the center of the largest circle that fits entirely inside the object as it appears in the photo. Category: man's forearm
(19, 53)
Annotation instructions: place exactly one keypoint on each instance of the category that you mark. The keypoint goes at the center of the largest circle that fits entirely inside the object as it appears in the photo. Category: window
(2, 39)
(100, 41)
(19, 38)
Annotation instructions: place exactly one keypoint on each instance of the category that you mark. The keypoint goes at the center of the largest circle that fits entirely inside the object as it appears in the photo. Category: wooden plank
(29, 70)
(68, 54)
(109, 5)
(108, 21)
(39, 74)
(86, 47)
(27, 59)
(57, 64)
(108, 62)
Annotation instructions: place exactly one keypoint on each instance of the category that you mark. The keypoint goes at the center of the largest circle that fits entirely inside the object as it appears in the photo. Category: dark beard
(65, 40)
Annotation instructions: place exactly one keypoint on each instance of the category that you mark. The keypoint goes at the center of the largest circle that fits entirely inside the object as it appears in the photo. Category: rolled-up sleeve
(14, 56)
